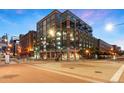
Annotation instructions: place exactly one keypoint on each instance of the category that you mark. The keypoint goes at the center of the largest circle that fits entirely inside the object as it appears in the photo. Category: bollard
(27, 61)
(20, 61)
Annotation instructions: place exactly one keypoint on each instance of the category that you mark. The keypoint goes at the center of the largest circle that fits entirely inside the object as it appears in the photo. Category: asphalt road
(29, 73)
(22, 73)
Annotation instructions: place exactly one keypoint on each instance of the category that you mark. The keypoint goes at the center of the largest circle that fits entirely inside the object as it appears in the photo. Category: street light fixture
(5, 40)
(52, 33)
(87, 51)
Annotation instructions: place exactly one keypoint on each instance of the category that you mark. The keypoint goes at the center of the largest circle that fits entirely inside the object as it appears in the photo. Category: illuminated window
(58, 33)
(58, 43)
(58, 38)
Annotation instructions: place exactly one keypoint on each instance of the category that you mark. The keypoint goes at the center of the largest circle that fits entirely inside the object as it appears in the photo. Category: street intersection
(83, 71)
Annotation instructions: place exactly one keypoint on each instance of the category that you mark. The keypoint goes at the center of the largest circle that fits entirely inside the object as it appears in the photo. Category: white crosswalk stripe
(117, 75)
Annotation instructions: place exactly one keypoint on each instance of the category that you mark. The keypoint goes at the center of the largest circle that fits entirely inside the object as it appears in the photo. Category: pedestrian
(7, 58)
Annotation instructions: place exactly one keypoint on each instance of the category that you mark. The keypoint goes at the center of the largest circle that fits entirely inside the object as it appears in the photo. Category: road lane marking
(66, 74)
(117, 75)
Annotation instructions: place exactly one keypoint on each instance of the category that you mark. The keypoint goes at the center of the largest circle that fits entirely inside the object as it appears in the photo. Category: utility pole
(14, 47)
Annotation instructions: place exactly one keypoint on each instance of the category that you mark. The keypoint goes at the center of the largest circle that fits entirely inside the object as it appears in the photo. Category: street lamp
(52, 33)
(113, 53)
(36, 52)
(87, 52)
(5, 40)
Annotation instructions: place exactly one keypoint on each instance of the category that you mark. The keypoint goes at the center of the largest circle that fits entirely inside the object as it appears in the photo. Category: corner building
(28, 43)
(64, 36)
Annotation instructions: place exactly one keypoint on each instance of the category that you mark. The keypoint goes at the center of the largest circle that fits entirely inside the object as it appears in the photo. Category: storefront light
(87, 51)
(71, 35)
(64, 33)
(80, 44)
(44, 46)
(72, 38)
(58, 47)
(58, 43)
(52, 33)
(44, 38)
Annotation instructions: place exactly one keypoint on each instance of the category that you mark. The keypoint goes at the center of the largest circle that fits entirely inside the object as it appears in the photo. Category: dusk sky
(15, 22)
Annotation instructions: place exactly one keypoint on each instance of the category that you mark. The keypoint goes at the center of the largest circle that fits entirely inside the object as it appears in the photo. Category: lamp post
(36, 52)
(113, 53)
(14, 47)
(87, 51)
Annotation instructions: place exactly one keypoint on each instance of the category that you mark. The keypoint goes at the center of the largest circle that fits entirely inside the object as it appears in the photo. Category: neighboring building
(116, 50)
(104, 49)
(5, 39)
(64, 35)
(3, 46)
(14, 46)
(28, 43)
(3, 43)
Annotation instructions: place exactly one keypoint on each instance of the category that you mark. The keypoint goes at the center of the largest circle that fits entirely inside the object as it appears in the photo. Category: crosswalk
(67, 74)
(117, 75)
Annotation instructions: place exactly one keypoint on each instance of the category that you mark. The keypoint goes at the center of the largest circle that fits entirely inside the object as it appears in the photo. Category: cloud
(93, 15)
(87, 14)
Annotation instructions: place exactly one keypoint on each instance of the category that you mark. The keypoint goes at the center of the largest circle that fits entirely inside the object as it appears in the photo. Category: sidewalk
(11, 62)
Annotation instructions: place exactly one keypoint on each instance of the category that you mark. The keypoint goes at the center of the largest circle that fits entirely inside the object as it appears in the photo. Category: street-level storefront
(60, 55)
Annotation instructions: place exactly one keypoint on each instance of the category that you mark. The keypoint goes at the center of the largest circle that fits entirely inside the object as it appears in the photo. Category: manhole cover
(98, 72)
(71, 67)
(9, 76)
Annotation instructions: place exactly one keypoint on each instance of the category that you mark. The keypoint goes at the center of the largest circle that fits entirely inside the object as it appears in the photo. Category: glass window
(48, 20)
(44, 22)
(44, 27)
(52, 17)
(48, 26)
(52, 22)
